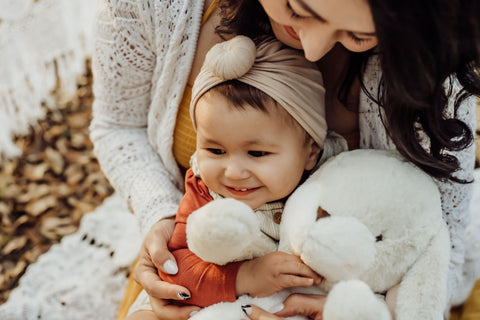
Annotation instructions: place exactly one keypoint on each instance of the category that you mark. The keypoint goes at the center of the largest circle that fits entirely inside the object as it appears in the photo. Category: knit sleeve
(208, 283)
(456, 197)
(124, 61)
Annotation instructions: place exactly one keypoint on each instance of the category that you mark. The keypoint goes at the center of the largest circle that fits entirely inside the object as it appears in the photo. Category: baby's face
(247, 154)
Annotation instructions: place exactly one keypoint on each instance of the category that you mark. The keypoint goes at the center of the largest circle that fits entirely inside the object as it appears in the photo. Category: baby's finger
(289, 280)
(297, 267)
(256, 313)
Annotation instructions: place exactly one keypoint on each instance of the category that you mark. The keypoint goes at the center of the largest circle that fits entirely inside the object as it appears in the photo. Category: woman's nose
(316, 41)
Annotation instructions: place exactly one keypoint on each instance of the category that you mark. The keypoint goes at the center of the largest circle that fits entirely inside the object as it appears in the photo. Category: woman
(147, 51)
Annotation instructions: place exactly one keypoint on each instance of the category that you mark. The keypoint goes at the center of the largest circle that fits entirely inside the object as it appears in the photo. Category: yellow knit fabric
(184, 138)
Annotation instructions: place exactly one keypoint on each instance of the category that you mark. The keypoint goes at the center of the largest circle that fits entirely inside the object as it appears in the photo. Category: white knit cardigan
(144, 50)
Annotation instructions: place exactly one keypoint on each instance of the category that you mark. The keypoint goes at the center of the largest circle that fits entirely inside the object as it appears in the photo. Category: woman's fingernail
(277, 308)
(247, 309)
(170, 267)
(183, 296)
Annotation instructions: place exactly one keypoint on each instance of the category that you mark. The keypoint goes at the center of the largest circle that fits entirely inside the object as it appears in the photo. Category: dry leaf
(22, 220)
(11, 191)
(37, 207)
(35, 172)
(55, 160)
(8, 168)
(5, 214)
(14, 244)
(62, 146)
(55, 228)
(74, 175)
(33, 254)
(78, 120)
(34, 191)
(79, 140)
(77, 157)
(56, 131)
(19, 268)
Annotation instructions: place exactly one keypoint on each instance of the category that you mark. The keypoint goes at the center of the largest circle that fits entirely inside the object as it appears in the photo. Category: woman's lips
(291, 33)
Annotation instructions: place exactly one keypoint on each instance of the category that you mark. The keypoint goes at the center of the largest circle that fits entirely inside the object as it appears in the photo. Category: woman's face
(317, 25)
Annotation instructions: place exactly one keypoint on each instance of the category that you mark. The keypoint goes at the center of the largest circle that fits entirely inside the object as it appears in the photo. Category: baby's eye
(216, 151)
(257, 154)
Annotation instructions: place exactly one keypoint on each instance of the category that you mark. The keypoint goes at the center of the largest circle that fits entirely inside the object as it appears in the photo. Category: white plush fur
(369, 194)
(214, 232)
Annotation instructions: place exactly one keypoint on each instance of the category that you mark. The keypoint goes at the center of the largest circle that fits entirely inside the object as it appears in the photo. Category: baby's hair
(243, 96)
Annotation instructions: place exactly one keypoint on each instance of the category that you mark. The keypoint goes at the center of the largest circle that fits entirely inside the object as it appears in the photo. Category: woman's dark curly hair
(421, 44)
(245, 17)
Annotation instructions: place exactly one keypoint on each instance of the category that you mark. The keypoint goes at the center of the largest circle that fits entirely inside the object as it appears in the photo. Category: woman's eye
(293, 14)
(356, 39)
(216, 151)
(257, 154)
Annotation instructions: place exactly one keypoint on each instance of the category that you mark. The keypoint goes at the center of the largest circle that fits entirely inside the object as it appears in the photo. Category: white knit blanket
(85, 275)
(40, 42)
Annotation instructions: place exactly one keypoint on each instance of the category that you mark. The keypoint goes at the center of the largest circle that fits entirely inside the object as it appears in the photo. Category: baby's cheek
(208, 168)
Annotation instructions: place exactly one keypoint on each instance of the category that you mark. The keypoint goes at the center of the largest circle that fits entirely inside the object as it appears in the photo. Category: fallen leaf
(37, 207)
(35, 172)
(34, 191)
(55, 228)
(14, 244)
(55, 160)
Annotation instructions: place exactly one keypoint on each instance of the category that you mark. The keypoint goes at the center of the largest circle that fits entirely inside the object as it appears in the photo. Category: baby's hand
(273, 272)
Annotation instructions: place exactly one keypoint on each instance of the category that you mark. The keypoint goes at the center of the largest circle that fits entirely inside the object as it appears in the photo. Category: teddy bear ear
(322, 213)
(231, 59)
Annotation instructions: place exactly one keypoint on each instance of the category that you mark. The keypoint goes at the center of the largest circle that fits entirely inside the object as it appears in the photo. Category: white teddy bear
(365, 221)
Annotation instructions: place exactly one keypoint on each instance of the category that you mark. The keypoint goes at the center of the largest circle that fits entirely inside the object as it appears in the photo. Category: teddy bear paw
(223, 231)
(354, 300)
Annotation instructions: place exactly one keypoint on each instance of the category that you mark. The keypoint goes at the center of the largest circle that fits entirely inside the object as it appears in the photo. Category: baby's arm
(210, 283)
(207, 282)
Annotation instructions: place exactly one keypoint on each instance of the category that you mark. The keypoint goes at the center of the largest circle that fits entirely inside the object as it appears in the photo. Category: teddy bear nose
(322, 213)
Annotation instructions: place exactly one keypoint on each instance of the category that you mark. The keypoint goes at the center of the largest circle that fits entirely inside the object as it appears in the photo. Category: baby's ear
(314, 151)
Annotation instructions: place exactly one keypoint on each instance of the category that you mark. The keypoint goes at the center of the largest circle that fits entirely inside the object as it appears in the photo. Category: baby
(260, 123)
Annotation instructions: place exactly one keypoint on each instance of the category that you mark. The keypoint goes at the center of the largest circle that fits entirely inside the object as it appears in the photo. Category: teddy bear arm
(354, 300)
(422, 293)
(225, 231)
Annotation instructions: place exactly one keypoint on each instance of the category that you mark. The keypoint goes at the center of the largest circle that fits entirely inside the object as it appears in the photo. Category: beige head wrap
(281, 72)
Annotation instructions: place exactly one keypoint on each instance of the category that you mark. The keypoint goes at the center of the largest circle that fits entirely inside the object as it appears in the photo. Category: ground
(45, 193)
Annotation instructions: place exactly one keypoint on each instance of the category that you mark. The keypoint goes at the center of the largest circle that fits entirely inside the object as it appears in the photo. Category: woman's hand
(154, 255)
(310, 306)
(273, 272)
